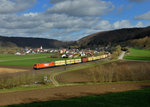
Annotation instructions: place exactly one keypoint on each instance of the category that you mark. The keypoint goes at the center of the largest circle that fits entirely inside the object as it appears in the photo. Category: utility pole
(65, 61)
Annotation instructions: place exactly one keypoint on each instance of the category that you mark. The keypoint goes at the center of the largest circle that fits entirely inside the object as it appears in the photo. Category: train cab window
(34, 64)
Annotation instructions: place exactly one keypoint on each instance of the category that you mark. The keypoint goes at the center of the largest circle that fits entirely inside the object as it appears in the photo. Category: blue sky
(70, 19)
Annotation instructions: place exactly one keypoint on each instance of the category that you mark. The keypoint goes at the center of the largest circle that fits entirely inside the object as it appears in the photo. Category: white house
(18, 53)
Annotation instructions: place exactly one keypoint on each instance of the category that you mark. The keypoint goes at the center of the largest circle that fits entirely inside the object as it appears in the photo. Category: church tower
(41, 47)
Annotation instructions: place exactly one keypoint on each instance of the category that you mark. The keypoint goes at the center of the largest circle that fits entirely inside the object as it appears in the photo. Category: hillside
(140, 43)
(134, 37)
(31, 42)
(120, 36)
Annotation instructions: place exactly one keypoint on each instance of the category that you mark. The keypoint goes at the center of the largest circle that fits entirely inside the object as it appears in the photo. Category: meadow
(138, 54)
(26, 60)
(134, 98)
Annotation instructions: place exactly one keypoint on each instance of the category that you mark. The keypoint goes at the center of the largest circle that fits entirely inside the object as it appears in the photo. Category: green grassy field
(136, 98)
(13, 57)
(138, 54)
(26, 60)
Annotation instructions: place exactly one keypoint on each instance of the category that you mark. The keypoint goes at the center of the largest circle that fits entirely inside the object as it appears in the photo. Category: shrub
(25, 78)
(120, 72)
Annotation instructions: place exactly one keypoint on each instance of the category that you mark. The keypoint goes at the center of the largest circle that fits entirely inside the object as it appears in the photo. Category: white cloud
(103, 25)
(81, 7)
(122, 24)
(140, 24)
(57, 26)
(30, 14)
(11, 6)
(67, 22)
(145, 16)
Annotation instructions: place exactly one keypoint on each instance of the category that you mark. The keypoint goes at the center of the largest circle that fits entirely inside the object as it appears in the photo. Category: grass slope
(138, 54)
(136, 98)
(26, 60)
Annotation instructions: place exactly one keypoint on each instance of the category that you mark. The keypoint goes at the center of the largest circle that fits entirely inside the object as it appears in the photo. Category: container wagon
(67, 62)
(84, 59)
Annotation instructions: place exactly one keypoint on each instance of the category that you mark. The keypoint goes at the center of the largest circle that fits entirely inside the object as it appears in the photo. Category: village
(63, 52)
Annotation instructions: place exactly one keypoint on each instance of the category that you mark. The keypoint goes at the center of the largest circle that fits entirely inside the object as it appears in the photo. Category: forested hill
(114, 37)
(31, 42)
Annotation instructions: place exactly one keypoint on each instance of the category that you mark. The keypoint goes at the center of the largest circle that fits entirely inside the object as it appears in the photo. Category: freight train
(68, 62)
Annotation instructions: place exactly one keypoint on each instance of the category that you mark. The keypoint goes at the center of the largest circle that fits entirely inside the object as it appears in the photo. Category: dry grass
(112, 72)
(10, 80)
(122, 72)
(10, 70)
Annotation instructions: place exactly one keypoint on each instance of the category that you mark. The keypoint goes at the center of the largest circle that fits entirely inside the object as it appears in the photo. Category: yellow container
(90, 58)
(94, 58)
(70, 61)
(57, 63)
(77, 60)
(98, 57)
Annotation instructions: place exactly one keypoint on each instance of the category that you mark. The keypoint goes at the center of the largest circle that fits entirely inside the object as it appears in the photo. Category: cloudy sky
(70, 19)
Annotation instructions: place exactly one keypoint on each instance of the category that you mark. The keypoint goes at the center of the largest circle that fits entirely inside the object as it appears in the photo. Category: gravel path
(121, 55)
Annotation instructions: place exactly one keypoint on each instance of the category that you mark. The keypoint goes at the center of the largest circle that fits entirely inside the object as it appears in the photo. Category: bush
(117, 52)
(18, 79)
(120, 72)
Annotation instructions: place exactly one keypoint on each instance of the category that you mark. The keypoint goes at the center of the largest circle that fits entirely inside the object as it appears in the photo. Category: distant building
(41, 47)
(64, 56)
(18, 53)
(63, 51)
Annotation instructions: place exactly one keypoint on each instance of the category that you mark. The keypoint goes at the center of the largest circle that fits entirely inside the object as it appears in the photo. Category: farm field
(115, 76)
(110, 72)
(10, 70)
(5, 57)
(26, 60)
(86, 96)
(113, 100)
(15, 76)
(138, 54)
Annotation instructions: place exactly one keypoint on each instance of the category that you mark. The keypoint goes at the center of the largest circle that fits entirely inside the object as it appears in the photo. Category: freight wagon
(77, 61)
(84, 59)
(58, 63)
(68, 62)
